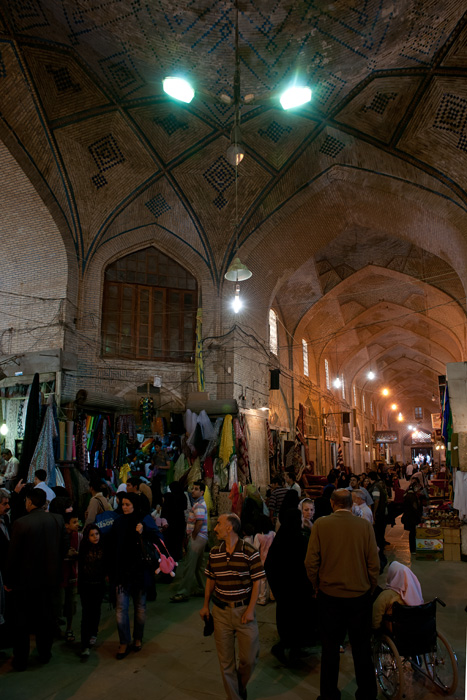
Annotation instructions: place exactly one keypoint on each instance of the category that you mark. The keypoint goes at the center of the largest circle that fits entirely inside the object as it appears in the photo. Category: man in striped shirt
(234, 572)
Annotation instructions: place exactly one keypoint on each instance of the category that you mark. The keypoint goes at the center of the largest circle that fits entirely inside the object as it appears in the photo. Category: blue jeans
(123, 617)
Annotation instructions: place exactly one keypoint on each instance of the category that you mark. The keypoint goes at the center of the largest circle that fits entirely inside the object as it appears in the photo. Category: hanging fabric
(32, 428)
(227, 443)
(43, 457)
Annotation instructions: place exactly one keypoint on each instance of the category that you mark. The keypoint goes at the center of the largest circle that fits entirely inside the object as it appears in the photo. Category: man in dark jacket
(33, 577)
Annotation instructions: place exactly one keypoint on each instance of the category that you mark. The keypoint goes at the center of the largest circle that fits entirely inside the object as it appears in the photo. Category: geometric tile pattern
(122, 73)
(274, 132)
(2, 67)
(452, 116)
(63, 79)
(379, 102)
(27, 14)
(158, 206)
(220, 175)
(171, 124)
(331, 146)
(106, 154)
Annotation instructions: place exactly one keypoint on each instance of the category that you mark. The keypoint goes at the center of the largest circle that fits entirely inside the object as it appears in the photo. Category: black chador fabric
(32, 429)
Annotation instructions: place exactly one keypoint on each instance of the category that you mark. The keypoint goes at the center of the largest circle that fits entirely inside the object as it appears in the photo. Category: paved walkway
(178, 663)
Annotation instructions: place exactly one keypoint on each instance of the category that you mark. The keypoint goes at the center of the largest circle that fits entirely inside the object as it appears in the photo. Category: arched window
(273, 344)
(149, 308)
(326, 374)
(305, 357)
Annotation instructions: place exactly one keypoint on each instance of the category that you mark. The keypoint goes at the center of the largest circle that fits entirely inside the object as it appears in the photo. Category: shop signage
(386, 436)
(436, 421)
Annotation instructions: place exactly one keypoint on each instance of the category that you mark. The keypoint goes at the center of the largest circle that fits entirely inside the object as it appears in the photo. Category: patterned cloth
(43, 457)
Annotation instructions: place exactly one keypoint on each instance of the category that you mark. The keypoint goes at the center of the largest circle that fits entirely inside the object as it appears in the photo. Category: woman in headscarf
(131, 577)
(402, 586)
(286, 574)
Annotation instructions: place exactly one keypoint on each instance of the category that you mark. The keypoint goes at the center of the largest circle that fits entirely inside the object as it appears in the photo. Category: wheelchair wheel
(441, 666)
(388, 667)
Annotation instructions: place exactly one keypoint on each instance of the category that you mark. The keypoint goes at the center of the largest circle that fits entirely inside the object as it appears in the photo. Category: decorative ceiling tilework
(331, 146)
(377, 110)
(65, 88)
(101, 130)
(170, 129)
(439, 139)
(27, 15)
(158, 206)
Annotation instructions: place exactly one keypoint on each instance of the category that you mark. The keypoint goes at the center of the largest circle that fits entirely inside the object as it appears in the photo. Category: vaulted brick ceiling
(380, 154)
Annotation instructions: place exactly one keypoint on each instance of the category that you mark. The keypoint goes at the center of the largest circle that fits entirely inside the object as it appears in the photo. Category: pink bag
(167, 563)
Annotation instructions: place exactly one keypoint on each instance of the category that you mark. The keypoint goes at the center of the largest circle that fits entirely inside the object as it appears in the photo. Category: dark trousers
(91, 601)
(380, 529)
(33, 612)
(338, 616)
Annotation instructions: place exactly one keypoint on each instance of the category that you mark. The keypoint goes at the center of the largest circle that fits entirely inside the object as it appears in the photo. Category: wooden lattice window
(149, 308)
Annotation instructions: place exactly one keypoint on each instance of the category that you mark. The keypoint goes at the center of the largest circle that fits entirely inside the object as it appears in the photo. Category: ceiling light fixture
(337, 383)
(295, 96)
(4, 429)
(371, 375)
(178, 88)
(385, 392)
(237, 271)
(394, 407)
(400, 417)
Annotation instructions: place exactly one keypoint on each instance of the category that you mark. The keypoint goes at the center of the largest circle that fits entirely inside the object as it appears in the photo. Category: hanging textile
(206, 426)
(209, 505)
(233, 478)
(81, 443)
(270, 443)
(32, 428)
(208, 468)
(127, 424)
(340, 458)
(199, 365)
(221, 474)
(181, 466)
(214, 441)
(243, 461)
(123, 473)
(43, 457)
(227, 442)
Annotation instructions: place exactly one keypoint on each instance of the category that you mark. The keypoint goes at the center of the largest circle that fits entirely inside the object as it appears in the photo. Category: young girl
(262, 542)
(91, 585)
(308, 510)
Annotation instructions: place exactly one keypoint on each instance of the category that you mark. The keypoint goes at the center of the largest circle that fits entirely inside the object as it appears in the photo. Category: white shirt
(295, 487)
(367, 514)
(12, 468)
(48, 491)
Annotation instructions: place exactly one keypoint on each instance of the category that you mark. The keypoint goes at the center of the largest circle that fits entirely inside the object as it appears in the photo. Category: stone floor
(178, 663)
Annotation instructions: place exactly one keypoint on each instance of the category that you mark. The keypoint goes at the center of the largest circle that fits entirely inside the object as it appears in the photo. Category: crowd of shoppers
(318, 559)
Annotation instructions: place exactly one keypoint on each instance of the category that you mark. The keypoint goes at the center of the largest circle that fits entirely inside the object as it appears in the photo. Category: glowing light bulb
(394, 407)
(4, 429)
(385, 392)
(178, 88)
(337, 383)
(400, 417)
(295, 96)
(371, 374)
(237, 302)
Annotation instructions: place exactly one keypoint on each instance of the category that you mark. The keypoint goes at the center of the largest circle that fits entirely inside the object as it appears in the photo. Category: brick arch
(318, 216)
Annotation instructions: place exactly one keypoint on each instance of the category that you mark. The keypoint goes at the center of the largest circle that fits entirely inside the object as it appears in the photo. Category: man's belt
(227, 604)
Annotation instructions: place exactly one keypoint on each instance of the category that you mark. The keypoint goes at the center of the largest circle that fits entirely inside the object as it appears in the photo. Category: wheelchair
(414, 643)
